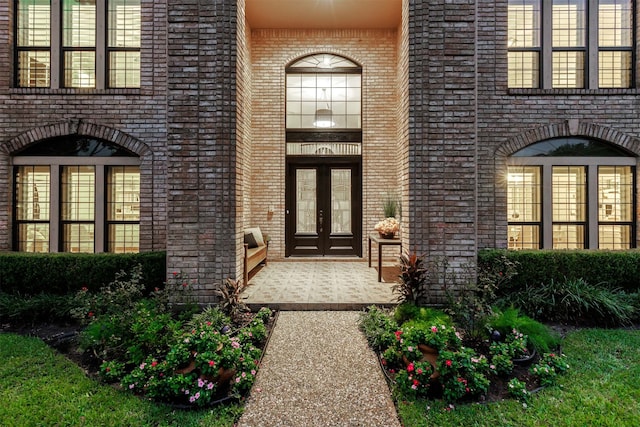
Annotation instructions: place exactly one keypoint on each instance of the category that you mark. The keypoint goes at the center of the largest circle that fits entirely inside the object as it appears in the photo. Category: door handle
(321, 219)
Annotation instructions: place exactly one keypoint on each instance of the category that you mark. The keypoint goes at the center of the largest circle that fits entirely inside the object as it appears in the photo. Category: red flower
(211, 363)
(90, 314)
(448, 363)
(410, 367)
(416, 382)
(419, 371)
(84, 289)
(184, 285)
(398, 333)
(108, 369)
(175, 273)
(154, 364)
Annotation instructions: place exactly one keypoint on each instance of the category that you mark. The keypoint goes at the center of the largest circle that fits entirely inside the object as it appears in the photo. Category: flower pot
(526, 360)
(387, 235)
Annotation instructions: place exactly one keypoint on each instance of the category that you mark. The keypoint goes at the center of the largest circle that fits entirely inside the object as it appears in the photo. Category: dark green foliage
(63, 273)
(407, 312)
(378, 327)
(540, 336)
(575, 301)
(413, 277)
(613, 269)
(19, 309)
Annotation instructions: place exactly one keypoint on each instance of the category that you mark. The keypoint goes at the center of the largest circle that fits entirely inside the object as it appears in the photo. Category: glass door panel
(306, 201)
(341, 200)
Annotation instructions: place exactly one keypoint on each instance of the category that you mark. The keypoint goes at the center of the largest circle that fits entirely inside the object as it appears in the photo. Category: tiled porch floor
(319, 285)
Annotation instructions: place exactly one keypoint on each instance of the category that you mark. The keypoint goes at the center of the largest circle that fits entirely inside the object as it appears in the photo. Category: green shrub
(613, 269)
(540, 336)
(19, 309)
(378, 327)
(576, 301)
(31, 274)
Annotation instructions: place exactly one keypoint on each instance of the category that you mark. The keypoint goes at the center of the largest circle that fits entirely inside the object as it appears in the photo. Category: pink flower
(131, 386)
(419, 371)
(434, 329)
(410, 348)
(84, 289)
(237, 379)
(210, 386)
(143, 365)
(235, 344)
(192, 399)
(253, 372)
(200, 383)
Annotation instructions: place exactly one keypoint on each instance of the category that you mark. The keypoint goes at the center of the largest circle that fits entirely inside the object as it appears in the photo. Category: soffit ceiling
(323, 14)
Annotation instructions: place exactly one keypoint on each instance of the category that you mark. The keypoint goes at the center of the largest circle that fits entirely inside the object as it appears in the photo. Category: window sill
(585, 92)
(73, 91)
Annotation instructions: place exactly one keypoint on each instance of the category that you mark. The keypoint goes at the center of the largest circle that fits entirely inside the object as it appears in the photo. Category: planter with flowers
(387, 228)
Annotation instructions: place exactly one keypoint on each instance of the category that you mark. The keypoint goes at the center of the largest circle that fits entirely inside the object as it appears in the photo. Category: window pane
(523, 194)
(615, 193)
(33, 237)
(124, 23)
(324, 101)
(77, 238)
(34, 68)
(306, 201)
(32, 193)
(569, 23)
(524, 237)
(123, 189)
(614, 237)
(524, 23)
(568, 69)
(79, 23)
(34, 23)
(341, 200)
(524, 69)
(615, 69)
(569, 195)
(32, 201)
(567, 236)
(124, 238)
(124, 69)
(80, 69)
(78, 193)
(615, 23)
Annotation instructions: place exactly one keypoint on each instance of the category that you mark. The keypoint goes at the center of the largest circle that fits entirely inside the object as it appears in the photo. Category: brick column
(442, 135)
(201, 169)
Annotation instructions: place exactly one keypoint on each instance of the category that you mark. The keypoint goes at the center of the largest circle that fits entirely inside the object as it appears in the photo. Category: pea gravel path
(319, 371)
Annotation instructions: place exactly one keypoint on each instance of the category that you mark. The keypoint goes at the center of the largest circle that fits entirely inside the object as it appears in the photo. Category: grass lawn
(41, 388)
(602, 388)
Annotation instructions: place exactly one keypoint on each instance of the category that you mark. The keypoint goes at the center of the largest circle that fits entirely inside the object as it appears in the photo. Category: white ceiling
(328, 14)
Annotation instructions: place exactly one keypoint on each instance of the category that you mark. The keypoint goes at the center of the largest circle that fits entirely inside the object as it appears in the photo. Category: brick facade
(208, 123)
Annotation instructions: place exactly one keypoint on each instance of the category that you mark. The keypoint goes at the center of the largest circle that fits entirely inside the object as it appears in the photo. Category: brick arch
(76, 127)
(567, 129)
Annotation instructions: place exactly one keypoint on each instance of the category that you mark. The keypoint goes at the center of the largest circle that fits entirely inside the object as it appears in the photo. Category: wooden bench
(254, 255)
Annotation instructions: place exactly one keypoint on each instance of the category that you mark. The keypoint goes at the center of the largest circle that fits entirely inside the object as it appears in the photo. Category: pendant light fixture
(324, 116)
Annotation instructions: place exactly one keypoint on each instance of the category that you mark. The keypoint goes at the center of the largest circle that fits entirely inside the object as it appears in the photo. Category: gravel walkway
(319, 371)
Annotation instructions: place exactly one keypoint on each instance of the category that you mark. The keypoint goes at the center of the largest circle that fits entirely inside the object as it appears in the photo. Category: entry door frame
(326, 248)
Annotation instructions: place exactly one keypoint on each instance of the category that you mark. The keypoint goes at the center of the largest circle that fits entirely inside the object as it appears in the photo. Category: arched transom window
(324, 106)
(571, 193)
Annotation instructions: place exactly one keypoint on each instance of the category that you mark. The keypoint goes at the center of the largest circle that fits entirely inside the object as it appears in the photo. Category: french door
(323, 207)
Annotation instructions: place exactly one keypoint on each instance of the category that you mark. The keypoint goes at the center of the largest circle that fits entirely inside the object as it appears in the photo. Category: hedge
(614, 269)
(62, 273)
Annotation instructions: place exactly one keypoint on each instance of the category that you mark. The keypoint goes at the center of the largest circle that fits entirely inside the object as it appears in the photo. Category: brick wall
(201, 171)
(272, 50)
(442, 133)
(137, 116)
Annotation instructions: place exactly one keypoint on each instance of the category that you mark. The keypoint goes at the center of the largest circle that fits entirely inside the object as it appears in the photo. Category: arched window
(324, 106)
(571, 193)
(76, 194)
